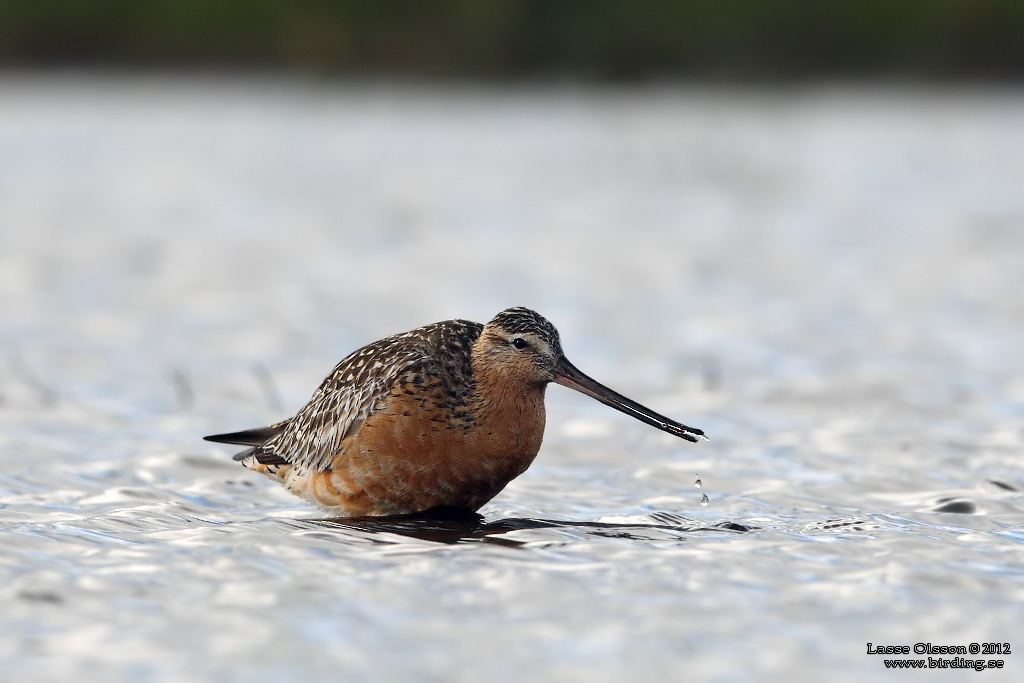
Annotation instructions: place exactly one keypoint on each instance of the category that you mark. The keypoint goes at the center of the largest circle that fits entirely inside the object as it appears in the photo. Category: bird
(441, 417)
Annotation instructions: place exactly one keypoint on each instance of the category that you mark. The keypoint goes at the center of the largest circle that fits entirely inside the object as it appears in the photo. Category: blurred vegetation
(732, 39)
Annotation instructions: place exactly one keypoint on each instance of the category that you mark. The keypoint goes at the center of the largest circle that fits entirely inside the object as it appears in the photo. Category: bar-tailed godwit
(443, 416)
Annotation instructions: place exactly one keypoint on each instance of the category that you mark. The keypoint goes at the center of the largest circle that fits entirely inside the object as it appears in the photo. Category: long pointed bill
(567, 375)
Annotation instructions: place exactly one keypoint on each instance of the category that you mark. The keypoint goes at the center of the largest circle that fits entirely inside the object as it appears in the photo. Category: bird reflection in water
(457, 525)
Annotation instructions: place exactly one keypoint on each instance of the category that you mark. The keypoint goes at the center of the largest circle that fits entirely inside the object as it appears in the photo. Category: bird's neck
(507, 404)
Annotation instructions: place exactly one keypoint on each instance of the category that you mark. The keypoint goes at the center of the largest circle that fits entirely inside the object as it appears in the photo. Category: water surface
(827, 281)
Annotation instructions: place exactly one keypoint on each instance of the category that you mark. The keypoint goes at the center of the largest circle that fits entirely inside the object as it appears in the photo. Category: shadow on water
(452, 525)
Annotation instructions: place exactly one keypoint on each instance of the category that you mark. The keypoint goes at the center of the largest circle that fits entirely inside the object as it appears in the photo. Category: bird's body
(443, 416)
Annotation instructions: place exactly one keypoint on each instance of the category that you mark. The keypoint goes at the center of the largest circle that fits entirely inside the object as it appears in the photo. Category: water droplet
(697, 484)
(704, 500)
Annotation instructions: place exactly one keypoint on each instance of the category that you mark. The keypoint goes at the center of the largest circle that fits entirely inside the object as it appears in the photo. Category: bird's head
(520, 349)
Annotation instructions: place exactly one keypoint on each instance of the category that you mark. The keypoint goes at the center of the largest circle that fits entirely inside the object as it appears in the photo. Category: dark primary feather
(255, 438)
(359, 386)
(249, 437)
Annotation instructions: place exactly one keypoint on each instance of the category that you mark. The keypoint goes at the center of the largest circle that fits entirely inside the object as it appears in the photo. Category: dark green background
(723, 39)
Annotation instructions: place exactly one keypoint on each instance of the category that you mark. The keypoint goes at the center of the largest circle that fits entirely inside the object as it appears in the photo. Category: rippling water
(827, 281)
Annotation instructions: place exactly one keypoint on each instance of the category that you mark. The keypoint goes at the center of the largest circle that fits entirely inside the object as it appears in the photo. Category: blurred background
(593, 39)
(796, 225)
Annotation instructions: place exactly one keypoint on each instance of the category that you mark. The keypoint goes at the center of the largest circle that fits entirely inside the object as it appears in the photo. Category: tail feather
(242, 455)
(260, 457)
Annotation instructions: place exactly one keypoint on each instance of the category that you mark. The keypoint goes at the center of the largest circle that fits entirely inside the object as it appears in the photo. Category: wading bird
(443, 416)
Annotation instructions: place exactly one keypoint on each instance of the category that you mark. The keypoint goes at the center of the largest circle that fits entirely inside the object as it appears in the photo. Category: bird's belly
(399, 464)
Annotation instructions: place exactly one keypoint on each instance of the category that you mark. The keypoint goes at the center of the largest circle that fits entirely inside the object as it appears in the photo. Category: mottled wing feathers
(360, 385)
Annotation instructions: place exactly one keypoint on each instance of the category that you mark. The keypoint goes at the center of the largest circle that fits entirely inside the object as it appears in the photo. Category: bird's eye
(520, 343)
